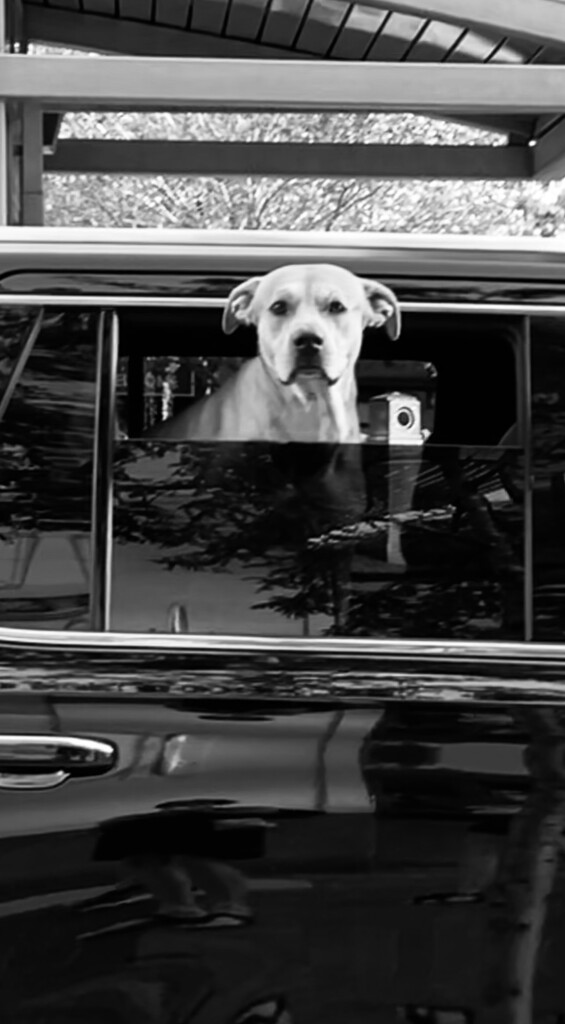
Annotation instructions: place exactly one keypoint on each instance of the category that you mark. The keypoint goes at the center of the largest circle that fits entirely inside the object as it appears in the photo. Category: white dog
(301, 385)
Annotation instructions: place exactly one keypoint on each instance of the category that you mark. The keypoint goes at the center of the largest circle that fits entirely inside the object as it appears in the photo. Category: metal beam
(13, 183)
(549, 153)
(138, 83)
(540, 21)
(273, 159)
(78, 29)
(32, 164)
(5, 155)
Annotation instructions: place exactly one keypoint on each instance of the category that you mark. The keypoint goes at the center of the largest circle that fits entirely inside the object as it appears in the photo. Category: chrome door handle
(44, 762)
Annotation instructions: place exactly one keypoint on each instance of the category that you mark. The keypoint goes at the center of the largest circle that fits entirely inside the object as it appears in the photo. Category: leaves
(462, 207)
(254, 509)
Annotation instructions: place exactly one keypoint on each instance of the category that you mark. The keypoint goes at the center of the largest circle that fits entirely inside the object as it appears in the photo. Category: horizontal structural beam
(124, 83)
(272, 159)
(73, 27)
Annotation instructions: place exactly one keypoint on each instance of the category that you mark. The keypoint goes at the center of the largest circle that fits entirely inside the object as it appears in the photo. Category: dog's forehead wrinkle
(325, 292)
(273, 290)
(314, 294)
(302, 276)
(286, 293)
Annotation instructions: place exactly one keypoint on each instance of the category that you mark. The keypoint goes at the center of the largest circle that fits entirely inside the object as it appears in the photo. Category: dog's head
(310, 319)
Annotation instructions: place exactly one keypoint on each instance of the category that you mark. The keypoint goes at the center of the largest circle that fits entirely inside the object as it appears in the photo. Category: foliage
(46, 450)
(298, 518)
(412, 205)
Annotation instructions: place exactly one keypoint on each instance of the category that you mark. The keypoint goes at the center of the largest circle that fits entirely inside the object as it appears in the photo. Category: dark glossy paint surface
(216, 285)
(391, 854)
(372, 830)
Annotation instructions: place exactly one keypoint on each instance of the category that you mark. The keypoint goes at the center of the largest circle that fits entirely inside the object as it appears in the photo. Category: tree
(304, 519)
(463, 207)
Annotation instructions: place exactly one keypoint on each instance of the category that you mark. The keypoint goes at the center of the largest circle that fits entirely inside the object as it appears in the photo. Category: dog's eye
(335, 306)
(279, 308)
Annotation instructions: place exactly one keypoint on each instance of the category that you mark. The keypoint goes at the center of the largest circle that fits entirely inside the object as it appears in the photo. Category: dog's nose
(308, 343)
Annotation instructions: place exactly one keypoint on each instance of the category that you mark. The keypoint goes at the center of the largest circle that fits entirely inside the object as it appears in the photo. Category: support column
(4, 147)
(32, 165)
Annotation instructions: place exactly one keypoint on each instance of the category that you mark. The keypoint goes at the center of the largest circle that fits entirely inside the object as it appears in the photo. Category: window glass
(416, 530)
(46, 444)
(548, 471)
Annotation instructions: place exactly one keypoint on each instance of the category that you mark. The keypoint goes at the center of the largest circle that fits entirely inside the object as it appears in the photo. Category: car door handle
(44, 762)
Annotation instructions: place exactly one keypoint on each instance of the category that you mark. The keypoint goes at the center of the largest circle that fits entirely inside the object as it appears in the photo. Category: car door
(374, 847)
(205, 827)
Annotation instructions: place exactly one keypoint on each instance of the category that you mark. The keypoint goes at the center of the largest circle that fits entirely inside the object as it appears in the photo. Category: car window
(414, 530)
(548, 472)
(47, 404)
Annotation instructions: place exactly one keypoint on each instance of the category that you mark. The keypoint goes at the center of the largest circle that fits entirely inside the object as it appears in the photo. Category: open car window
(416, 530)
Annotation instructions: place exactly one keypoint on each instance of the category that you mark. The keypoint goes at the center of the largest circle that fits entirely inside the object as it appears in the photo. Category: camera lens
(404, 418)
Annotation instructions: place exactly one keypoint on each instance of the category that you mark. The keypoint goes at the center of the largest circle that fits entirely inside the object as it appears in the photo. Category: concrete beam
(229, 159)
(135, 83)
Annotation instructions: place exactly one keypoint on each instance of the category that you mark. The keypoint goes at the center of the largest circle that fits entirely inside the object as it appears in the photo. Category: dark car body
(235, 792)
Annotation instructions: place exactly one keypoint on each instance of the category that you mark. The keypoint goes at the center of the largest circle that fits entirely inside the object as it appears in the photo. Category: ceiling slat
(107, 7)
(396, 37)
(137, 10)
(515, 51)
(437, 39)
(358, 33)
(541, 21)
(245, 18)
(67, 5)
(283, 22)
(322, 26)
(171, 12)
(474, 47)
(138, 38)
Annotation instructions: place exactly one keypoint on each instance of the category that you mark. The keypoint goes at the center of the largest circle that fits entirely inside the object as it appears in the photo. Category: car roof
(232, 252)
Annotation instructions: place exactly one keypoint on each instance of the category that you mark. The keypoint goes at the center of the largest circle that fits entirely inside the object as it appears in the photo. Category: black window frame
(107, 360)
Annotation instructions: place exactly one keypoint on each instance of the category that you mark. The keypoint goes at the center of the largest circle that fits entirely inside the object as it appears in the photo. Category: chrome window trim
(101, 533)
(467, 652)
(528, 548)
(191, 302)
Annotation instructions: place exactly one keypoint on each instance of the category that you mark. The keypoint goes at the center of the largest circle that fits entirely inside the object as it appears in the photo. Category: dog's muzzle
(308, 357)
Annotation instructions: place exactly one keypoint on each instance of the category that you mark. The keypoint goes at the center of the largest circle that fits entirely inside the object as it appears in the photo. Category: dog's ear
(382, 308)
(238, 306)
